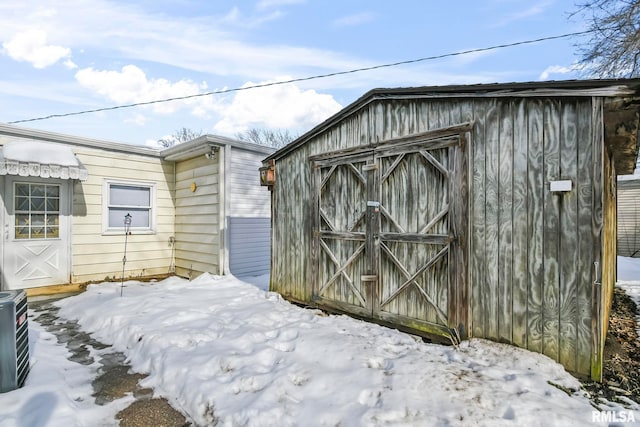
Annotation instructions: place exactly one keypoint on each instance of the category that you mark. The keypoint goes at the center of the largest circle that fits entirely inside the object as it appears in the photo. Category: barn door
(340, 234)
(418, 276)
(389, 225)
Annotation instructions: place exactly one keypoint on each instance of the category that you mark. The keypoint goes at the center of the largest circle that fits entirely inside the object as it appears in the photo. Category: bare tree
(181, 135)
(613, 47)
(275, 138)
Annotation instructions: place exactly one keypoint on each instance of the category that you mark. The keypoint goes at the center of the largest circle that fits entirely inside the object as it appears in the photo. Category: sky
(78, 55)
(222, 350)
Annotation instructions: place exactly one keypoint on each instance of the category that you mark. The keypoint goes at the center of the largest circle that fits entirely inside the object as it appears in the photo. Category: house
(629, 214)
(63, 200)
(462, 211)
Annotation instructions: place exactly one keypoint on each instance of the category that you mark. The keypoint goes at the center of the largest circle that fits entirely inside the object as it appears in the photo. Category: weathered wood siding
(629, 218)
(96, 256)
(249, 213)
(291, 228)
(197, 217)
(609, 263)
(531, 252)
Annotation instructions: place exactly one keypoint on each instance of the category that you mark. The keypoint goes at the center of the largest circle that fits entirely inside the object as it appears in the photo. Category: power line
(315, 77)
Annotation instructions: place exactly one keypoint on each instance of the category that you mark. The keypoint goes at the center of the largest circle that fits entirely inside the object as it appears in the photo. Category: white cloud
(137, 119)
(282, 107)
(70, 64)
(556, 69)
(264, 4)
(536, 9)
(131, 85)
(155, 143)
(237, 18)
(31, 46)
(213, 44)
(354, 20)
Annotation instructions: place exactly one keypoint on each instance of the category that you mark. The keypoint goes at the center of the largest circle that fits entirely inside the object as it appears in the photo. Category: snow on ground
(57, 391)
(227, 352)
(222, 350)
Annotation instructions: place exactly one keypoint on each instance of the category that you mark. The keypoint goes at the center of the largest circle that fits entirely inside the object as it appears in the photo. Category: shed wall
(531, 251)
(197, 237)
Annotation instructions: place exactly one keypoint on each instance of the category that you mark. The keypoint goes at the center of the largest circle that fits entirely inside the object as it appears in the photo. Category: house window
(37, 211)
(124, 198)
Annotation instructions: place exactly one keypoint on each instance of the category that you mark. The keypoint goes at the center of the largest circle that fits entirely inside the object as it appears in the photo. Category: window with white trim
(37, 210)
(122, 198)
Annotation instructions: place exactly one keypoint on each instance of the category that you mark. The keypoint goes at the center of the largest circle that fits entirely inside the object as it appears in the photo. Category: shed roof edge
(558, 88)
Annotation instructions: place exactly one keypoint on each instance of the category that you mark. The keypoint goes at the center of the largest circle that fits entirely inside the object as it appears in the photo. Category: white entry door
(36, 232)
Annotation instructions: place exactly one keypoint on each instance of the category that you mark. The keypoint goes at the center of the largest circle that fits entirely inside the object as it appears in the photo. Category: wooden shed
(462, 211)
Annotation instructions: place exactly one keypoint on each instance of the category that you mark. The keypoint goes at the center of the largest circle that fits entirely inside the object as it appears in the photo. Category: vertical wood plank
(458, 196)
(568, 255)
(505, 223)
(477, 215)
(372, 243)
(453, 263)
(520, 212)
(535, 223)
(434, 115)
(597, 342)
(303, 176)
(467, 145)
(584, 266)
(551, 283)
(492, 199)
(316, 179)
(422, 122)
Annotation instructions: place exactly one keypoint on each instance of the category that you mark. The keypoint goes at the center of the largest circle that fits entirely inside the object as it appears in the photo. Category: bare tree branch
(275, 138)
(181, 135)
(613, 49)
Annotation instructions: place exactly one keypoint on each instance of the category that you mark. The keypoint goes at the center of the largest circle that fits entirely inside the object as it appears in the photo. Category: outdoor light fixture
(212, 154)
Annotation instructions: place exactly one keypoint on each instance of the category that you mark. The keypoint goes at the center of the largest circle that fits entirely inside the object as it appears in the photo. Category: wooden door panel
(388, 238)
(341, 266)
(421, 297)
(341, 234)
(415, 235)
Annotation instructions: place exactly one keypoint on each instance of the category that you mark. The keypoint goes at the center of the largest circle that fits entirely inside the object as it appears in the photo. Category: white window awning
(41, 159)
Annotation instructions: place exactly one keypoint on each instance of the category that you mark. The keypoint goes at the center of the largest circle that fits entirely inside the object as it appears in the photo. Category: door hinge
(369, 278)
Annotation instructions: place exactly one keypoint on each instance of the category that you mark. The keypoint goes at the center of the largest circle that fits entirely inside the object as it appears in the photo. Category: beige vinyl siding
(629, 218)
(98, 256)
(197, 217)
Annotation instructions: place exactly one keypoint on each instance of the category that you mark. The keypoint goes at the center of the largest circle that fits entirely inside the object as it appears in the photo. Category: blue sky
(63, 57)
